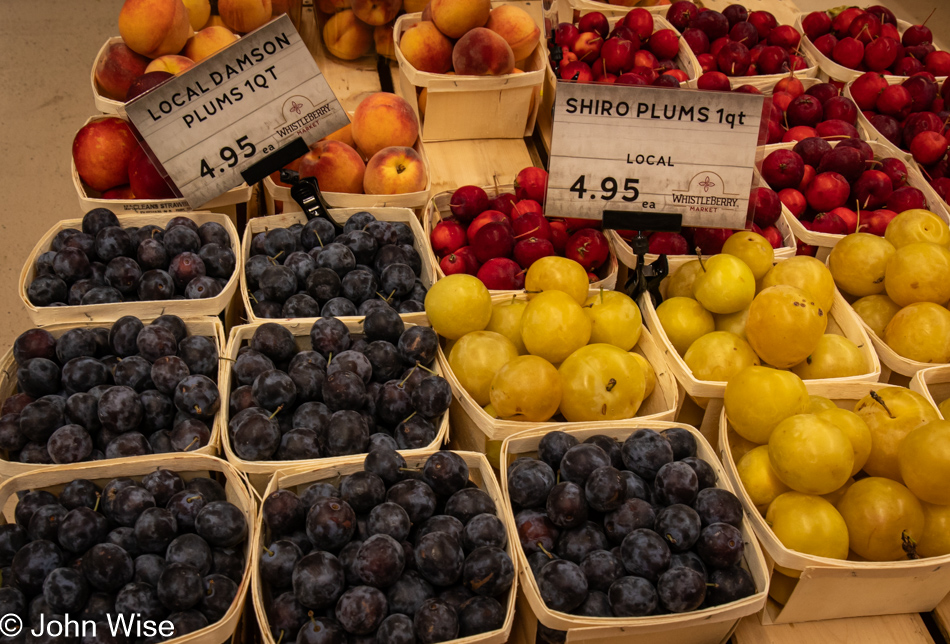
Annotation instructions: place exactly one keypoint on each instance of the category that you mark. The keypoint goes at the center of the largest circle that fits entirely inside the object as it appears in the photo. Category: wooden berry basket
(102, 313)
(473, 107)
(859, 588)
(842, 320)
(828, 240)
(260, 472)
(298, 479)
(209, 327)
(831, 71)
(473, 429)
(188, 466)
(277, 194)
(89, 198)
(704, 626)
(932, 383)
(341, 215)
(438, 209)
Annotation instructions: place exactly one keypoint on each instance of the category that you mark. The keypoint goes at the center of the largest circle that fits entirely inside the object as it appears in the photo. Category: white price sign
(209, 124)
(653, 150)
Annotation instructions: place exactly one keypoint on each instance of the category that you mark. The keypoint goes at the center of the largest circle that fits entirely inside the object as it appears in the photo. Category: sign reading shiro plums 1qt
(652, 151)
(230, 111)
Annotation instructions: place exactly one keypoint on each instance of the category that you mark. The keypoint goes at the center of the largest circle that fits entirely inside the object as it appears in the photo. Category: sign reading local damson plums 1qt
(230, 111)
(652, 150)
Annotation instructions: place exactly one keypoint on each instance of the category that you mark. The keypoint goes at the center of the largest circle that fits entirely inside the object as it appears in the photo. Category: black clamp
(306, 192)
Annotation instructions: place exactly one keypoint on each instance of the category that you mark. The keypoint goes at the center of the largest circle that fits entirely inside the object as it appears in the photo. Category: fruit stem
(281, 638)
(425, 368)
(310, 615)
(410, 416)
(544, 550)
(408, 375)
(329, 358)
(528, 232)
(276, 411)
(253, 299)
(601, 293)
(197, 410)
(909, 544)
(611, 384)
(274, 258)
(924, 24)
(317, 235)
(193, 498)
(98, 498)
(269, 552)
(195, 440)
(699, 256)
(876, 398)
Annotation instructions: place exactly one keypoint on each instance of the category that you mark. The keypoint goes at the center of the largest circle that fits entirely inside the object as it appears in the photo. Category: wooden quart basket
(209, 327)
(89, 198)
(438, 209)
(473, 107)
(835, 588)
(933, 383)
(842, 320)
(707, 626)
(46, 315)
(341, 215)
(473, 429)
(259, 472)
(188, 466)
(298, 479)
(881, 151)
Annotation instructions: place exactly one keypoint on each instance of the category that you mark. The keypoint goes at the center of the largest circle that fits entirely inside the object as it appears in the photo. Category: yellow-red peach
(517, 27)
(395, 171)
(383, 120)
(376, 12)
(243, 16)
(426, 48)
(198, 12)
(455, 18)
(214, 21)
(482, 52)
(154, 28)
(332, 6)
(102, 150)
(343, 135)
(117, 69)
(337, 167)
(279, 7)
(208, 42)
(383, 37)
(414, 6)
(346, 36)
(173, 64)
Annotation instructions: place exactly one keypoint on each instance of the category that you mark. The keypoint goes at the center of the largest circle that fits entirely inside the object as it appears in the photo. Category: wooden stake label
(653, 150)
(230, 111)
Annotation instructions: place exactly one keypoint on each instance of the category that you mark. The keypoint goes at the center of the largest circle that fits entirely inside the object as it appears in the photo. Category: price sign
(209, 124)
(651, 150)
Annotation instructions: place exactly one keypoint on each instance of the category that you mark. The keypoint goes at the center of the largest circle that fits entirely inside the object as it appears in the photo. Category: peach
(337, 167)
(198, 12)
(395, 171)
(279, 7)
(117, 68)
(172, 63)
(426, 48)
(414, 6)
(146, 180)
(346, 36)
(455, 18)
(243, 16)
(154, 28)
(376, 12)
(207, 42)
(383, 120)
(383, 37)
(214, 21)
(101, 152)
(343, 135)
(146, 82)
(517, 27)
(482, 52)
(121, 192)
(332, 6)
(423, 101)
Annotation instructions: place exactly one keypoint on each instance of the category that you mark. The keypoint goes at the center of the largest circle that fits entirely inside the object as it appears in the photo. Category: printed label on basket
(653, 151)
(232, 110)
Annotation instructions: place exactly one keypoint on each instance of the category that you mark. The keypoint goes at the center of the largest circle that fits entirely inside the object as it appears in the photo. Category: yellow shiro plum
(785, 324)
(917, 225)
(557, 274)
(680, 283)
(726, 285)
(649, 374)
(807, 274)
(876, 311)
(924, 460)
(615, 319)
(891, 413)
(719, 356)
(878, 512)
(808, 524)
(856, 431)
(918, 272)
(857, 263)
(458, 304)
(476, 358)
(758, 398)
(554, 326)
(920, 332)
(527, 388)
(506, 320)
(935, 540)
(601, 382)
(753, 249)
(810, 454)
(758, 478)
(684, 320)
(733, 322)
(835, 356)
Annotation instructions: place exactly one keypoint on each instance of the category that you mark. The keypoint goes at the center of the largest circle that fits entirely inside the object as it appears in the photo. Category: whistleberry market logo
(301, 115)
(131, 626)
(705, 194)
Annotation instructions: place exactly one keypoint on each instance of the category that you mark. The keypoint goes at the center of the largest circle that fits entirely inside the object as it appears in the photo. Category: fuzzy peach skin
(243, 16)
(455, 18)
(383, 120)
(332, 6)
(102, 150)
(395, 171)
(279, 7)
(482, 52)
(383, 37)
(346, 36)
(414, 6)
(426, 48)
(376, 12)
(208, 42)
(173, 64)
(337, 167)
(517, 27)
(343, 135)
(198, 12)
(154, 28)
(117, 69)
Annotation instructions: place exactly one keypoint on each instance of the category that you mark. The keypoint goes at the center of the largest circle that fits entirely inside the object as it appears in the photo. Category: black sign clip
(645, 278)
(306, 192)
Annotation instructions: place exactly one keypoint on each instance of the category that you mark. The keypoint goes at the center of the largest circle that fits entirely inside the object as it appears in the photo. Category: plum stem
(253, 299)
(410, 416)
(857, 225)
(267, 550)
(909, 545)
(924, 23)
(699, 256)
(194, 440)
(281, 638)
(877, 398)
(98, 498)
(329, 358)
(611, 384)
(545, 551)
(528, 232)
(408, 375)
(277, 411)
(425, 368)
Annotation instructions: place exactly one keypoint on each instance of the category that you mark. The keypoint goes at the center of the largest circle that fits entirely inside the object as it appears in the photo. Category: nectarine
(101, 152)
(117, 68)
(154, 27)
(336, 166)
(384, 120)
(346, 36)
(395, 171)
(426, 48)
(517, 27)
(243, 16)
